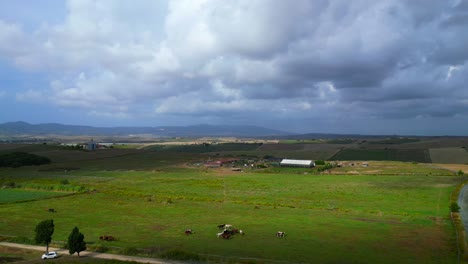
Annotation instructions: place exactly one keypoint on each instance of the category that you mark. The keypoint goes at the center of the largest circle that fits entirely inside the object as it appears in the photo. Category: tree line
(18, 159)
(45, 230)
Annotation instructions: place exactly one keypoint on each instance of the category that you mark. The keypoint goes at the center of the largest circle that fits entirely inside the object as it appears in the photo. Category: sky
(305, 66)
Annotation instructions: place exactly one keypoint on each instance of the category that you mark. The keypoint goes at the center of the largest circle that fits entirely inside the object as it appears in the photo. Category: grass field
(388, 212)
(19, 195)
(449, 155)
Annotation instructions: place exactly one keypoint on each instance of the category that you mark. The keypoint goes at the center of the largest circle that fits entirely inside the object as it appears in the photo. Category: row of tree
(75, 242)
(18, 159)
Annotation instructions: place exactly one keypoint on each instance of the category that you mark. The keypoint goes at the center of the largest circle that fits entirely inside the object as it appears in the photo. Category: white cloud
(450, 71)
(196, 57)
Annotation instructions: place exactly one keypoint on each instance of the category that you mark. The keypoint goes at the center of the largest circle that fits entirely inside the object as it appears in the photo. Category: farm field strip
(449, 155)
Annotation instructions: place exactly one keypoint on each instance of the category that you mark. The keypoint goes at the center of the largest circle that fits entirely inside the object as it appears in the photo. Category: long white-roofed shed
(297, 163)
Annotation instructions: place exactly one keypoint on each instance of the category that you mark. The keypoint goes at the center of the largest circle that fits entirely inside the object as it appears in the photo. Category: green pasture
(389, 168)
(327, 218)
(18, 195)
(449, 155)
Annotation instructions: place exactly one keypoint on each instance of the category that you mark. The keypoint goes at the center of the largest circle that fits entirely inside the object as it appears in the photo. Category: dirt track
(463, 203)
(92, 254)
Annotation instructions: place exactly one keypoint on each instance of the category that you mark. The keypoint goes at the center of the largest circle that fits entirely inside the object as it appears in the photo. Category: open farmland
(449, 155)
(416, 155)
(300, 151)
(148, 198)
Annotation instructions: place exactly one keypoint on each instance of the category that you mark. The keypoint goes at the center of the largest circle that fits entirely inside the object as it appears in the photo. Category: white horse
(241, 232)
(219, 234)
(280, 234)
(226, 226)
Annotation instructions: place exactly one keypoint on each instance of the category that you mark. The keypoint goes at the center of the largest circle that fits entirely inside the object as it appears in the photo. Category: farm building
(90, 145)
(297, 163)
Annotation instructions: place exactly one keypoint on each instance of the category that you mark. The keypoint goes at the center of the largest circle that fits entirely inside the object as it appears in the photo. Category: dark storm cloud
(296, 60)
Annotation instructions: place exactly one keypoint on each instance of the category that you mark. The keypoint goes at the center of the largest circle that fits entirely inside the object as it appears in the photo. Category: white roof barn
(297, 163)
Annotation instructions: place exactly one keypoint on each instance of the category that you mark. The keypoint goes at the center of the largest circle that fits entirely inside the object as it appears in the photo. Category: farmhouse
(297, 163)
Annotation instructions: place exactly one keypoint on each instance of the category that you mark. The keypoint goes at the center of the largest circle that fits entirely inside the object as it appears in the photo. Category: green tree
(76, 242)
(44, 231)
(319, 162)
(460, 173)
(454, 208)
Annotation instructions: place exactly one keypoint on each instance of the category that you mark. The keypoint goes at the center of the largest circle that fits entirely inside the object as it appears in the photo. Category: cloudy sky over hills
(365, 66)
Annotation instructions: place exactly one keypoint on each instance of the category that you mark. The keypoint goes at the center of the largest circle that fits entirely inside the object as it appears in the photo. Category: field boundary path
(93, 254)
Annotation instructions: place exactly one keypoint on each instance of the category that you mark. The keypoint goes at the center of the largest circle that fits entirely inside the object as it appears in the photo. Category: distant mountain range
(23, 128)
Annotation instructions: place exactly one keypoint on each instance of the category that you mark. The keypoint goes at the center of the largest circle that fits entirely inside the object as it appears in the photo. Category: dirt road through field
(463, 203)
(91, 254)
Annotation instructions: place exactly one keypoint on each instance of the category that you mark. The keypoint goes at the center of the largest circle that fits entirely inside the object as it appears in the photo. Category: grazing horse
(51, 210)
(221, 226)
(188, 231)
(280, 234)
(226, 226)
(226, 235)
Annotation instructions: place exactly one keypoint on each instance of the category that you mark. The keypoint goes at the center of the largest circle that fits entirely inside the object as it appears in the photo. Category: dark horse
(221, 226)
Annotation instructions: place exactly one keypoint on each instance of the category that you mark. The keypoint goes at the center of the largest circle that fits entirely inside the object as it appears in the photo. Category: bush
(325, 167)
(454, 208)
(64, 182)
(9, 184)
(319, 162)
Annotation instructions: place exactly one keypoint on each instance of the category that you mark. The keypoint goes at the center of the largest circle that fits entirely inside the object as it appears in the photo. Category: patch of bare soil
(372, 171)
(453, 167)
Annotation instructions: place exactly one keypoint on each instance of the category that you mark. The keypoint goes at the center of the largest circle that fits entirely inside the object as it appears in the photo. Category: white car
(50, 255)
